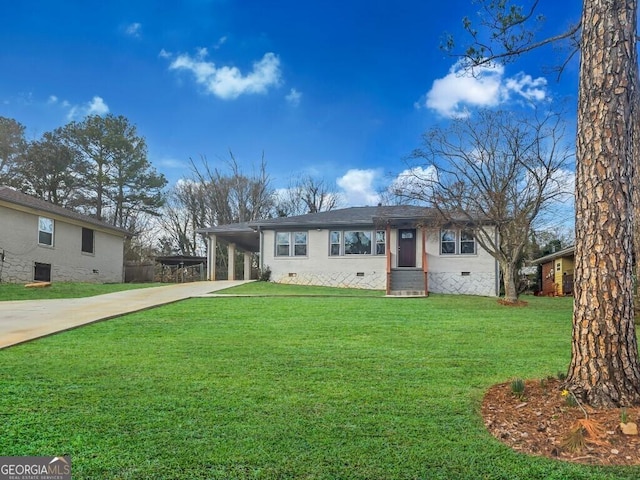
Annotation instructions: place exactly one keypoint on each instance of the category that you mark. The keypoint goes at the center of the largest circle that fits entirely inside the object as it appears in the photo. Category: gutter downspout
(261, 249)
(388, 239)
(425, 267)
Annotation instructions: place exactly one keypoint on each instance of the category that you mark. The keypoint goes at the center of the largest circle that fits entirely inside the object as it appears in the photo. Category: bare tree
(184, 212)
(306, 195)
(234, 197)
(212, 197)
(494, 173)
(605, 367)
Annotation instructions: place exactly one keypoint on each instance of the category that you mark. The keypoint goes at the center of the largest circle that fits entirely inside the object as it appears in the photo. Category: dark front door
(407, 248)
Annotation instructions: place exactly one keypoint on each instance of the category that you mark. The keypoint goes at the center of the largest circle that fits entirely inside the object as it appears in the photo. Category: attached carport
(238, 237)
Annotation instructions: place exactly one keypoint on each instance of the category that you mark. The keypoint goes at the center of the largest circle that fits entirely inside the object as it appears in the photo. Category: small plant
(582, 432)
(624, 416)
(570, 399)
(561, 376)
(265, 274)
(517, 387)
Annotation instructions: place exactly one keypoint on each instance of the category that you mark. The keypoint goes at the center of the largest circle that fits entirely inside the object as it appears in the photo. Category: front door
(407, 248)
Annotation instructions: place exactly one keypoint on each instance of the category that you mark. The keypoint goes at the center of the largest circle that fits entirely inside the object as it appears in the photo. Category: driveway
(24, 320)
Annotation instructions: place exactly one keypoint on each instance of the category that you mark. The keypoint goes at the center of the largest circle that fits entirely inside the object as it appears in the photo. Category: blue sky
(340, 90)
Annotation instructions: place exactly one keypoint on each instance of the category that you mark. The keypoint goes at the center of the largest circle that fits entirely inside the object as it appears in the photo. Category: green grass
(287, 387)
(271, 288)
(12, 291)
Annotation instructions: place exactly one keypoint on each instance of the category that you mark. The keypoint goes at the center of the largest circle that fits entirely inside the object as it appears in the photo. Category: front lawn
(13, 291)
(272, 288)
(283, 387)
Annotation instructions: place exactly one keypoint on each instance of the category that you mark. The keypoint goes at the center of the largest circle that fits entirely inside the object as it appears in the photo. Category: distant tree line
(98, 167)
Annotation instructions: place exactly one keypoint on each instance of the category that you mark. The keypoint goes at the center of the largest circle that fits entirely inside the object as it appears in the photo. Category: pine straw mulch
(540, 422)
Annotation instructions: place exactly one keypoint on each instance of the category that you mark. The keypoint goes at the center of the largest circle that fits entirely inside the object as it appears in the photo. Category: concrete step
(407, 293)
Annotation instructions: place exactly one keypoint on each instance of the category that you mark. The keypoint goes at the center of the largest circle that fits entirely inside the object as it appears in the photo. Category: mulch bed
(540, 422)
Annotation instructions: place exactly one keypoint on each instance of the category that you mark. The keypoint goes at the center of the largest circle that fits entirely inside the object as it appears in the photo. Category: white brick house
(392, 248)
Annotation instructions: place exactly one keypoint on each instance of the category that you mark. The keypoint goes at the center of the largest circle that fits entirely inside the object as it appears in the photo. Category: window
(282, 244)
(457, 242)
(45, 231)
(353, 242)
(284, 240)
(448, 242)
(87, 240)
(380, 242)
(334, 243)
(467, 243)
(300, 244)
(357, 243)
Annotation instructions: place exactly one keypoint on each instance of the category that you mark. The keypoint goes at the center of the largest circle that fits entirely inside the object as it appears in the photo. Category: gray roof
(345, 217)
(565, 252)
(246, 234)
(354, 216)
(10, 195)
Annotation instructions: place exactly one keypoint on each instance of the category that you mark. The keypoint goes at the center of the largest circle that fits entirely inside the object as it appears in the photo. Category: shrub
(517, 387)
(265, 274)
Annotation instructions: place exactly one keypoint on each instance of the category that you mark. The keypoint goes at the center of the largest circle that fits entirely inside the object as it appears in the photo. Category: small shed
(556, 272)
(181, 268)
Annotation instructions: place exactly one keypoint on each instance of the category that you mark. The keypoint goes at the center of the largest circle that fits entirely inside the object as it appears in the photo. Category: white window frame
(332, 243)
(338, 248)
(468, 241)
(449, 241)
(381, 242)
(293, 243)
(46, 226)
(457, 241)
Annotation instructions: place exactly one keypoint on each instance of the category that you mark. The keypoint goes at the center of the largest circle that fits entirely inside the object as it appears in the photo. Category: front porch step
(407, 280)
(407, 293)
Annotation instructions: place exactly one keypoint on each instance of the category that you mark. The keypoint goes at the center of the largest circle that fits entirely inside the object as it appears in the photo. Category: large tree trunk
(604, 368)
(509, 282)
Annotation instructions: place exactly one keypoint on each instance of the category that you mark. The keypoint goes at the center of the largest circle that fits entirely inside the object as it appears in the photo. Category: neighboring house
(393, 248)
(556, 272)
(40, 241)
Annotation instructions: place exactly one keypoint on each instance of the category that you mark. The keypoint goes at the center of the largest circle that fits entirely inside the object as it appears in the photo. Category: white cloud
(133, 30)
(227, 82)
(414, 182)
(527, 87)
(358, 187)
(293, 98)
(221, 41)
(452, 95)
(96, 106)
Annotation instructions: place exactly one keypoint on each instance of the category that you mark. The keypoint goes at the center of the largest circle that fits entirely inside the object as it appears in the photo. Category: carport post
(247, 266)
(231, 249)
(211, 261)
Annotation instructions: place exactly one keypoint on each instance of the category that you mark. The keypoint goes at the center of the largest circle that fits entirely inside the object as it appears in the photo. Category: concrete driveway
(24, 320)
